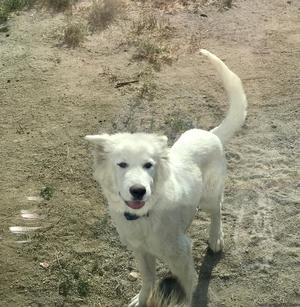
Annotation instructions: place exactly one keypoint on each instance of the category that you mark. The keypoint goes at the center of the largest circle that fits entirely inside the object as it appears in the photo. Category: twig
(120, 84)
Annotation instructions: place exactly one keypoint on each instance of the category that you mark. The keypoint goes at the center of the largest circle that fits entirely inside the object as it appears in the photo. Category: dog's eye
(123, 164)
(147, 165)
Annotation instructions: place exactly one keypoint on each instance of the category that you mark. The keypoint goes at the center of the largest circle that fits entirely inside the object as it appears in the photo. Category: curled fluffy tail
(238, 102)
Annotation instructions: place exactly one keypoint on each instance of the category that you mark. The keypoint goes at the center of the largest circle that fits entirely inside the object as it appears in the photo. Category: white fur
(188, 175)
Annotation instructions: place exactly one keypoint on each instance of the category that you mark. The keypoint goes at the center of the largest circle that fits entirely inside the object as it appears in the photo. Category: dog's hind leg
(216, 240)
(213, 205)
(146, 266)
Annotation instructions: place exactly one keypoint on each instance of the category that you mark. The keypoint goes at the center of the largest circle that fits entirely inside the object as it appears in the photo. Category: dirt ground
(51, 96)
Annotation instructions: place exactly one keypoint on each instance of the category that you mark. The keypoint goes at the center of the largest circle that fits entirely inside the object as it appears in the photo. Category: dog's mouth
(135, 204)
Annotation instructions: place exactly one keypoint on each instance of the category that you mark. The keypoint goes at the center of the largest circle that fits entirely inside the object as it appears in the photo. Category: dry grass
(15, 5)
(3, 15)
(147, 90)
(152, 52)
(74, 34)
(8, 6)
(149, 34)
(227, 4)
(149, 22)
(59, 5)
(102, 13)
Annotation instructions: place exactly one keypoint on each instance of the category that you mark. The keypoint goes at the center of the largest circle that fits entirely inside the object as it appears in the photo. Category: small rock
(133, 276)
(44, 265)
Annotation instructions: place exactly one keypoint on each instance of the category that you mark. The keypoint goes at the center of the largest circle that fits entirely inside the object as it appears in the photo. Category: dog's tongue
(135, 204)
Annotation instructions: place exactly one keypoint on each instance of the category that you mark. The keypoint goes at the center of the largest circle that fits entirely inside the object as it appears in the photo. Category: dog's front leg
(182, 266)
(146, 265)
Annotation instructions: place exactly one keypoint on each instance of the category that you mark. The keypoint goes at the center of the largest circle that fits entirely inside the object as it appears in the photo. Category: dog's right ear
(101, 143)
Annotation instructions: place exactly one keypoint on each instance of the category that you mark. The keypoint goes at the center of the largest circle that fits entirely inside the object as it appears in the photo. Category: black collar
(133, 217)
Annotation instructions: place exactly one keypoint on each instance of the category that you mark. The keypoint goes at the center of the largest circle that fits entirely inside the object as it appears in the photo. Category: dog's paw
(216, 244)
(135, 302)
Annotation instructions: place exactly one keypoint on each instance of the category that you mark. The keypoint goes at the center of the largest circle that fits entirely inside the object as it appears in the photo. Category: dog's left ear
(162, 141)
(101, 143)
(98, 139)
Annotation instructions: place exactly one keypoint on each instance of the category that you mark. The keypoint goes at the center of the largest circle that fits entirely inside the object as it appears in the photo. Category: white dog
(153, 191)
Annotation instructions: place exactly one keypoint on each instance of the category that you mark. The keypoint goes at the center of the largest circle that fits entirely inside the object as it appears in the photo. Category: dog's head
(129, 168)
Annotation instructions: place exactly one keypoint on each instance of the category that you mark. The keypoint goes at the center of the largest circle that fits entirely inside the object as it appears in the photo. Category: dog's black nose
(137, 191)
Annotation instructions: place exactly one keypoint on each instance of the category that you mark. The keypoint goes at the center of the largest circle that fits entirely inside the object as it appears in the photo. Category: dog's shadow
(200, 298)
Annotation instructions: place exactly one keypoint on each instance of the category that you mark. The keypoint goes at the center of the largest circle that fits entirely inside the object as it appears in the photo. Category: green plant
(13, 5)
(47, 192)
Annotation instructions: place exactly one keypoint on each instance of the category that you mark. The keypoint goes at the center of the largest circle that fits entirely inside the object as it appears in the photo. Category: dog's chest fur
(152, 232)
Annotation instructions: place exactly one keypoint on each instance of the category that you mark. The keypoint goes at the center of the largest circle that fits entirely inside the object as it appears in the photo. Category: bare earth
(51, 96)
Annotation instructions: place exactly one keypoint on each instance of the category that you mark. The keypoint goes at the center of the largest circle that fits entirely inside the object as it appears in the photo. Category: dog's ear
(163, 162)
(101, 143)
(97, 139)
(162, 142)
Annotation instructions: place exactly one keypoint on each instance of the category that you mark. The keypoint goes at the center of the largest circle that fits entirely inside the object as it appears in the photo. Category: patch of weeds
(59, 5)
(226, 4)
(65, 287)
(102, 13)
(153, 53)
(8, 6)
(147, 90)
(14, 5)
(149, 22)
(47, 192)
(74, 34)
(194, 44)
(3, 14)
(83, 288)
(176, 124)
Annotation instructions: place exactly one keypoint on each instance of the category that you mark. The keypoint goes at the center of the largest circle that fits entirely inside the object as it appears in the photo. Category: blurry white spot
(34, 198)
(22, 229)
(28, 215)
(24, 241)
(133, 276)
